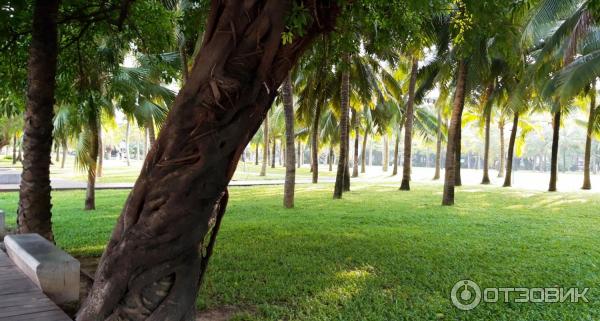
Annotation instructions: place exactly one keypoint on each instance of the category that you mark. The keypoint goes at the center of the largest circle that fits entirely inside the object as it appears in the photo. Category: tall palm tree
(290, 154)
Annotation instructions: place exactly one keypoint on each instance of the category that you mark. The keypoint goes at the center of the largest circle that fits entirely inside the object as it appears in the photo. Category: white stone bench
(53, 270)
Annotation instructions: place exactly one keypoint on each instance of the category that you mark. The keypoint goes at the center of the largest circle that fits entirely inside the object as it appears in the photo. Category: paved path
(21, 299)
(64, 185)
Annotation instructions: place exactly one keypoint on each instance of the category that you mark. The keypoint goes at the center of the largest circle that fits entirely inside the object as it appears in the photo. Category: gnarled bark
(34, 213)
(153, 265)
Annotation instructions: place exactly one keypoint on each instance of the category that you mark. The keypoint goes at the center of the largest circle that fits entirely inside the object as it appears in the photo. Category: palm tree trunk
(438, 146)
(343, 154)
(100, 152)
(151, 134)
(34, 214)
(408, 128)
(356, 139)
(265, 159)
(458, 154)
(330, 158)
(486, 151)
(290, 153)
(363, 160)
(56, 152)
(273, 153)
(127, 132)
(315, 145)
(511, 151)
(14, 153)
(386, 153)
(65, 150)
(396, 151)
(502, 153)
(554, 160)
(90, 195)
(453, 131)
(299, 158)
(256, 154)
(587, 182)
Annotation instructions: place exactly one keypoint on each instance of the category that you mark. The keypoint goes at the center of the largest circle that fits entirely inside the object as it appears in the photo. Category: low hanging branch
(155, 259)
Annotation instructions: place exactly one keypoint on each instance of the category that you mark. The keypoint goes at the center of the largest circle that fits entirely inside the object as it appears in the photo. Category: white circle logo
(466, 295)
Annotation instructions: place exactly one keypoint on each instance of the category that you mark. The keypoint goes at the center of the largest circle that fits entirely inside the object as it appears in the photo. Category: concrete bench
(53, 270)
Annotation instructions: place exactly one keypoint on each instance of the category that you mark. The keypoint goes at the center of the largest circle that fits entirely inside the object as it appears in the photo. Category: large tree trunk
(315, 145)
(356, 139)
(65, 150)
(587, 182)
(127, 133)
(154, 263)
(290, 153)
(100, 151)
(265, 155)
(502, 148)
(486, 149)
(453, 131)
(438, 147)
(554, 160)
(511, 151)
(408, 127)
(90, 193)
(343, 154)
(386, 153)
(34, 213)
(396, 152)
(363, 160)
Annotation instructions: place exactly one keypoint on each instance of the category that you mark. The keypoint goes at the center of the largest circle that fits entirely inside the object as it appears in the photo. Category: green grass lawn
(378, 254)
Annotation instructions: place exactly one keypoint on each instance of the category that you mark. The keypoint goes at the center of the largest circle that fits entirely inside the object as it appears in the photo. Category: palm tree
(290, 156)
(344, 116)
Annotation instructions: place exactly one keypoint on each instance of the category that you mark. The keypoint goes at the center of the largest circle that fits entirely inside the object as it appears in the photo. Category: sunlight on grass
(377, 254)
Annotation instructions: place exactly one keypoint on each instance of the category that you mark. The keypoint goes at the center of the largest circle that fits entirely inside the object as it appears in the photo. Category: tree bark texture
(356, 140)
(34, 213)
(486, 149)
(156, 258)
